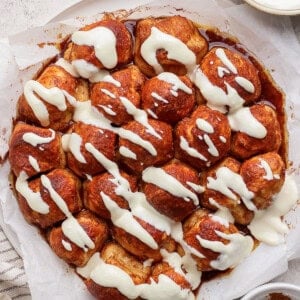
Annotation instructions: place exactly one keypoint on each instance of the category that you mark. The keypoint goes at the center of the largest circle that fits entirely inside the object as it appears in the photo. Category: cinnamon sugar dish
(151, 153)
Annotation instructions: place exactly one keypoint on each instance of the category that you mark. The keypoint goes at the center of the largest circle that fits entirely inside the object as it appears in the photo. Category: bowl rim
(269, 287)
(275, 11)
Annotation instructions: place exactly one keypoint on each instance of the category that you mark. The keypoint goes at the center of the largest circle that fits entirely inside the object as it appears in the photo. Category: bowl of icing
(278, 7)
(274, 290)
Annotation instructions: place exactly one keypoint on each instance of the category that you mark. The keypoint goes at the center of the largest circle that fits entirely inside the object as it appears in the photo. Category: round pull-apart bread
(149, 156)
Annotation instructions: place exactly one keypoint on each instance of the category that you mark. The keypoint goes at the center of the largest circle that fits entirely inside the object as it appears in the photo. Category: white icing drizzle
(126, 152)
(89, 177)
(231, 254)
(267, 225)
(242, 120)
(104, 42)
(70, 227)
(108, 93)
(204, 125)
(219, 220)
(215, 96)
(139, 115)
(176, 82)
(222, 71)
(227, 181)
(123, 218)
(108, 110)
(67, 67)
(196, 187)
(34, 139)
(222, 212)
(159, 98)
(72, 142)
(168, 183)
(246, 84)
(211, 147)
(222, 139)
(148, 263)
(34, 163)
(66, 245)
(176, 49)
(220, 53)
(33, 199)
(152, 113)
(184, 145)
(269, 174)
(53, 96)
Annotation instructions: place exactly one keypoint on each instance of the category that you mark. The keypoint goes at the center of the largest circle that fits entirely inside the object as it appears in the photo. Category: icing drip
(211, 147)
(222, 212)
(33, 199)
(66, 245)
(222, 71)
(176, 49)
(72, 142)
(67, 67)
(70, 227)
(228, 181)
(184, 145)
(197, 188)
(159, 98)
(204, 125)
(34, 163)
(108, 110)
(108, 93)
(34, 139)
(231, 254)
(242, 120)
(220, 53)
(176, 83)
(168, 183)
(126, 152)
(104, 42)
(53, 96)
(267, 225)
(269, 174)
(152, 113)
(223, 139)
(245, 84)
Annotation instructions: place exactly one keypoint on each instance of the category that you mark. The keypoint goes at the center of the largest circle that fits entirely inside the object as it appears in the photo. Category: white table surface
(19, 15)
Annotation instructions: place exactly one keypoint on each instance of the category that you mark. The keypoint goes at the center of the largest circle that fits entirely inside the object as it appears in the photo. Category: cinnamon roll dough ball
(35, 150)
(264, 176)
(166, 101)
(123, 44)
(80, 143)
(244, 146)
(166, 202)
(159, 150)
(225, 67)
(213, 198)
(203, 139)
(105, 183)
(114, 98)
(97, 231)
(177, 27)
(67, 186)
(59, 116)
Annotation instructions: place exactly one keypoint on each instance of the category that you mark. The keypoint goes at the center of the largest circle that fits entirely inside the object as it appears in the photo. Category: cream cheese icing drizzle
(227, 181)
(184, 145)
(267, 225)
(67, 67)
(34, 139)
(170, 184)
(34, 163)
(72, 142)
(176, 49)
(159, 98)
(211, 147)
(152, 113)
(108, 110)
(220, 53)
(176, 82)
(222, 71)
(33, 199)
(222, 212)
(246, 84)
(126, 152)
(269, 174)
(104, 42)
(66, 245)
(53, 96)
(204, 125)
(108, 93)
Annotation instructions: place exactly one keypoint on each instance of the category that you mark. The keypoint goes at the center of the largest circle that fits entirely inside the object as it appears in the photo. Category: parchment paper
(273, 42)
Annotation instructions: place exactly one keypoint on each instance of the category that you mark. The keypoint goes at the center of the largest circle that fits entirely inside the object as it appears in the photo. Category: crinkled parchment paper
(273, 42)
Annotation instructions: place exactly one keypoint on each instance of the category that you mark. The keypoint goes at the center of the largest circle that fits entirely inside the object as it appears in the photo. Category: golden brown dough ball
(59, 119)
(96, 230)
(29, 155)
(143, 158)
(86, 164)
(168, 204)
(212, 198)
(203, 139)
(201, 224)
(244, 146)
(66, 184)
(123, 44)
(164, 102)
(108, 97)
(176, 26)
(105, 183)
(264, 176)
(224, 66)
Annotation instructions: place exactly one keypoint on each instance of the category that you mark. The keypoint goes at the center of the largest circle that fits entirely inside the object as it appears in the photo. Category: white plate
(277, 7)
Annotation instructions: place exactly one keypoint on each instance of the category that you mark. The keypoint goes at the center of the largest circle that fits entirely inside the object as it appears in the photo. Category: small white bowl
(261, 292)
(273, 9)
